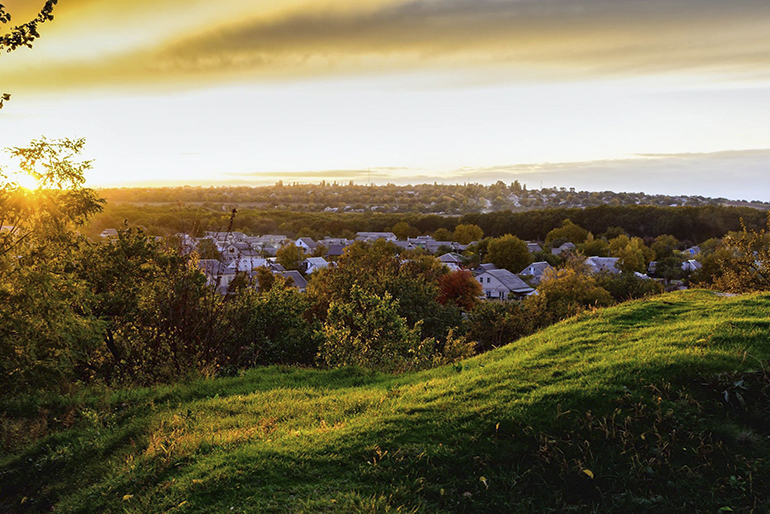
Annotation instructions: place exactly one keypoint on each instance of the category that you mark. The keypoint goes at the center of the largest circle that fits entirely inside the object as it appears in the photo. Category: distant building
(536, 270)
(307, 244)
(374, 236)
(503, 285)
(313, 264)
(602, 264)
(565, 248)
(533, 247)
(108, 232)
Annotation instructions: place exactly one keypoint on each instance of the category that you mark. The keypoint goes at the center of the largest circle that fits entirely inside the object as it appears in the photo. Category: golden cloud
(563, 37)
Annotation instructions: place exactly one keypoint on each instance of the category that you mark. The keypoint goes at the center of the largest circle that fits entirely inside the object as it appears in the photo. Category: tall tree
(508, 252)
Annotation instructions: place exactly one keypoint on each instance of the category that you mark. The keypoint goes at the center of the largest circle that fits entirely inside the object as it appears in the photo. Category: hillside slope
(660, 405)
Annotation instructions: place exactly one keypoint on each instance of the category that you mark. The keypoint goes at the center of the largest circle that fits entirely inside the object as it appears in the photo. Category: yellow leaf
(442, 492)
(127, 497)
(24, 500)
(182, 504)
(589, 473)
(643, 438)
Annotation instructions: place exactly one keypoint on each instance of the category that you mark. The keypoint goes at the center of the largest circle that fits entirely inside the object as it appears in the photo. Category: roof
(109, 232)
(308, 241)
(248, 263)
(452, 257)
(598, 264)
(317, 261)
(509, 280)
(295, 276)
(538, 268)
(335, 250)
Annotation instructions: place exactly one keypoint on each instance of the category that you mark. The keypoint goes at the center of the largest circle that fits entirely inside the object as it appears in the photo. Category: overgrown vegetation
(656, 405)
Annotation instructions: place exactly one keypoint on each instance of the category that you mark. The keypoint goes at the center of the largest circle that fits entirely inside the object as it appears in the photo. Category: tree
(746, 267)
(567, 232)
(664, 246)
(467, 233)
(403, 230)
(290, 256)
(24, 34)
(509, 252)
(37, 243)
(564, 293)
(367, 331)
(442, 234)
(632, 253)
(459, 288)
(594, 247)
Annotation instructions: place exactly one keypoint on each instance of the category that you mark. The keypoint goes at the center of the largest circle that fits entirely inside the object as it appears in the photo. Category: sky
(659, 96)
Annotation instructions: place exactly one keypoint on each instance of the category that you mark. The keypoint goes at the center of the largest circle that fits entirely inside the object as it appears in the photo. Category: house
(565, 248)
(533, 247)
(307, 244)
(602, 264)
(691, 265)
(217, 274)
(485, 267)
(248, 263)
(108, 232)
(294, 278)
(275, 240)
(693, 251)
(453, 261)
(328, 242)
(223, 237)
(373, 236)
(313, 264)
(502, 284)
(536, 270)
(335, 251)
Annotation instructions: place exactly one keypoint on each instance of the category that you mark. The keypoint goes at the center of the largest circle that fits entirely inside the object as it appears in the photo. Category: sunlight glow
(25, 181)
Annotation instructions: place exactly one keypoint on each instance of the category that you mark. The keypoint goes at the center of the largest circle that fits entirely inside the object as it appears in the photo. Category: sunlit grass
(657, 405)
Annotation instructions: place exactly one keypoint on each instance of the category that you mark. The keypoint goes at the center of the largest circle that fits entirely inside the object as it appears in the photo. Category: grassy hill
(660, 405)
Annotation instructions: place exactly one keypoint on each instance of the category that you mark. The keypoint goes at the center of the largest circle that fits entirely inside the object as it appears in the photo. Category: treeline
(456, 199)
(690, 224)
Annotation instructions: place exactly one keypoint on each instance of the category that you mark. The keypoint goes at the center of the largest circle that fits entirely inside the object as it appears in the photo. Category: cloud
(724, 174)
(537, 37)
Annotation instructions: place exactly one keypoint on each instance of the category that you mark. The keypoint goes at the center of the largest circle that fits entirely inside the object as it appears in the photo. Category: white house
(373, 236)
(691, 265)
(313, 264)
(502, 284)
(307, 244)
(602, 264)
(536, 270)
(452, 261)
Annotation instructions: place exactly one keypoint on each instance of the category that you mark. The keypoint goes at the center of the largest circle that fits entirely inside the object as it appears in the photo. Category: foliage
(746, 267)
(568, 231)
(632, 253)
(495, 324)
(627, 286)
(664, 246)
(467, 233)
(290, 256)
(564, 293)
(376, 268)
(367, 331)
(594, 247)
(634, 394)
(459, 288)
(508, 252)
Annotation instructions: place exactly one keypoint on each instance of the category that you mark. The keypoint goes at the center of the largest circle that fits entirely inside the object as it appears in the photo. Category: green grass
(660, 405)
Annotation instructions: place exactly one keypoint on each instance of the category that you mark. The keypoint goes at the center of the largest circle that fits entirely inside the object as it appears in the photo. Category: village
(243, 257)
